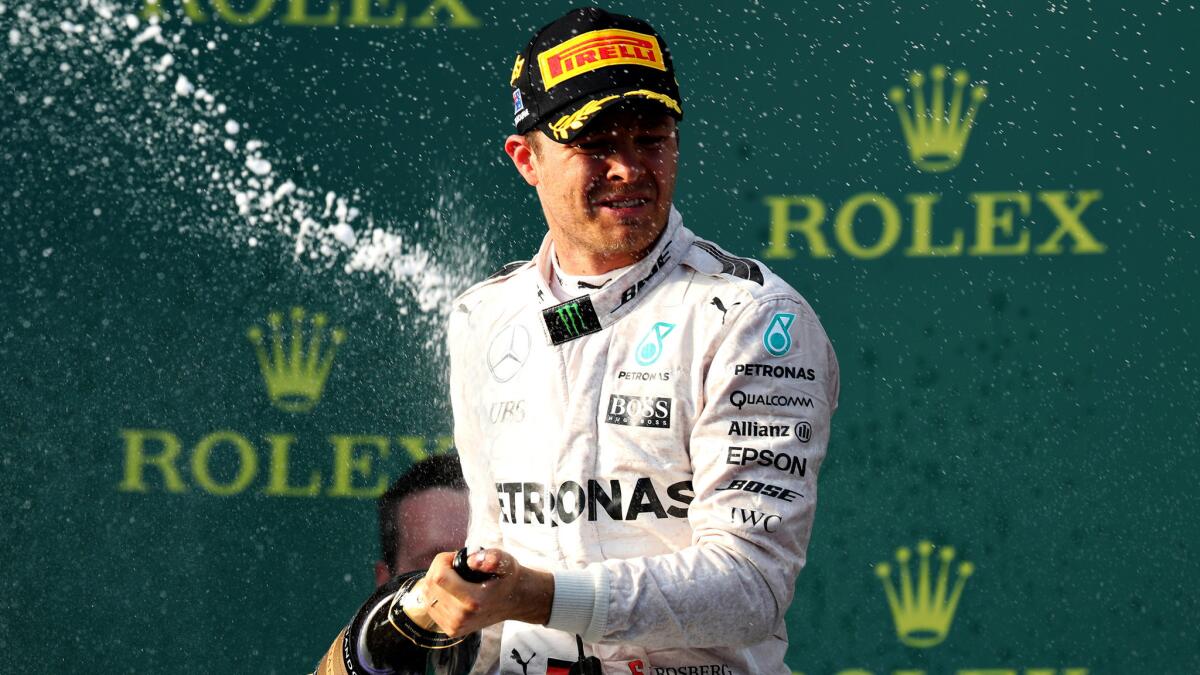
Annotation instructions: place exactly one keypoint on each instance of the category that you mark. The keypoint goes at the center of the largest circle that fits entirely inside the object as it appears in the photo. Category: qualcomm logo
(651, 346)
(937, 134)
(295, 369)
(508, 352)
(923, 613)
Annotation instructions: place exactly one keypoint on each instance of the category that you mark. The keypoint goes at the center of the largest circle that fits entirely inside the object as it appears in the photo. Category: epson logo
(591, 499)
(780, 460)
(644, 376)
(770, 370)
(639, 411)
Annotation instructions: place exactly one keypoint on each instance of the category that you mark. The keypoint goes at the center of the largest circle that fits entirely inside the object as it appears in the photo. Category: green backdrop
(1012, 296)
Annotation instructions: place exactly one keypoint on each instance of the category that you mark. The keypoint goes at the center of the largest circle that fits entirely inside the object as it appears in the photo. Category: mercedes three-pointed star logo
(508, 352)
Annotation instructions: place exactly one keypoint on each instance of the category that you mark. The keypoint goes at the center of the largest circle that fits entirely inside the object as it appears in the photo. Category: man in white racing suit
(641, 416)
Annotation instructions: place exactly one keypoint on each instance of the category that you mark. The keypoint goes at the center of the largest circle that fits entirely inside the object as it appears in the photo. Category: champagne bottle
(392, 634)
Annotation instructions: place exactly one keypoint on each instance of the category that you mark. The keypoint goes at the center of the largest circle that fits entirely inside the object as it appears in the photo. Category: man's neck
(582, 263)
(578, 261)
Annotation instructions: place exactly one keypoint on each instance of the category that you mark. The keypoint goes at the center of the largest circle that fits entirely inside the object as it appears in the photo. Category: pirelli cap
(584, 62)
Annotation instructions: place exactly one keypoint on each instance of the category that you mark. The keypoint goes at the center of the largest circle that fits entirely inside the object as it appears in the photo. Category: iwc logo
(508, 352)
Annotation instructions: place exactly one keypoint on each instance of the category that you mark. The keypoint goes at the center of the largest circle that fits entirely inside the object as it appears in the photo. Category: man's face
(608, 192)
(428, 522)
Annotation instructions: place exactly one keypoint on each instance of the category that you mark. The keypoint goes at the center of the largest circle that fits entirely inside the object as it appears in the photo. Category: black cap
(584, 62)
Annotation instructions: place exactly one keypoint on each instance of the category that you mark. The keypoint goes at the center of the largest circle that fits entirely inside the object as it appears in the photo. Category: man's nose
(626, 164)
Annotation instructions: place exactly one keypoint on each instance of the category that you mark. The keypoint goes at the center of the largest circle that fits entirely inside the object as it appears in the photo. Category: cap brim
(565, 124)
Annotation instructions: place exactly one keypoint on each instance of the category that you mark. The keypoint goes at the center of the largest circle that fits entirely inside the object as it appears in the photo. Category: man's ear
(521, 153)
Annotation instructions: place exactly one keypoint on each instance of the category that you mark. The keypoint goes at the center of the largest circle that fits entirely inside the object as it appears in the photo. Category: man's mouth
(623, 202)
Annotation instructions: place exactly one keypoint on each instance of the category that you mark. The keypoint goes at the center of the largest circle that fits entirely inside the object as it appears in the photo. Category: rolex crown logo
(937, 135)
(923, 615)
(295, 369)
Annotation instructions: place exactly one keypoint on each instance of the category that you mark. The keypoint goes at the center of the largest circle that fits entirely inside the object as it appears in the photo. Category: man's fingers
(492, 561)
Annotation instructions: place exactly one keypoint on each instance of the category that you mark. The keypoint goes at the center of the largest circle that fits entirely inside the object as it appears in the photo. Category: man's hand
(460, 607)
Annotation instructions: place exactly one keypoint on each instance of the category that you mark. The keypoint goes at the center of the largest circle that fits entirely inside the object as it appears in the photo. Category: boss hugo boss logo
(739, 398)
(524, 502)
(506, 411)
(764, 489)
(639, 411)
(644, 375)
(778, 372)
(781, 461)
(767, 522)
(508, 352)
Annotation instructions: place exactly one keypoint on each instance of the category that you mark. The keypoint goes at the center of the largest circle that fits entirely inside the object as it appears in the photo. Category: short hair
(439, 471)
(534, 138)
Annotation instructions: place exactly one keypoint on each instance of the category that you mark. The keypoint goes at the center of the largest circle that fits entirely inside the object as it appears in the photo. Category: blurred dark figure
(422, 514)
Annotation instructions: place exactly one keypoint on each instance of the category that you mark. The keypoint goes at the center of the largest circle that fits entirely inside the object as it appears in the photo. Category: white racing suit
(656, 445)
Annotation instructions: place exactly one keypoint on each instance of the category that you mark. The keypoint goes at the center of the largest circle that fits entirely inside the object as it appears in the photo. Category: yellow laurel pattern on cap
(516, 71)
(577, 119)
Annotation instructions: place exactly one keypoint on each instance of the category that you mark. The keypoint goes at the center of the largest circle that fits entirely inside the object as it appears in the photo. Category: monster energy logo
(568, 316)
(570, 320)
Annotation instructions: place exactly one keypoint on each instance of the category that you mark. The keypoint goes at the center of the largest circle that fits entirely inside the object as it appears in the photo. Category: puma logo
(516, 656)
(716, 302)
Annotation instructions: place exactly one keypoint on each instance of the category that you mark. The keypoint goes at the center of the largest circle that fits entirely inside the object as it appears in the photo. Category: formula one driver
(641, 416)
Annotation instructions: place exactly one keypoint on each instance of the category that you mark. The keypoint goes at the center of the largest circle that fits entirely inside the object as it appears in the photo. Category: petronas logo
(294, 366)
(777, 338)
(937, 133)
(923, 614)
(651, 346)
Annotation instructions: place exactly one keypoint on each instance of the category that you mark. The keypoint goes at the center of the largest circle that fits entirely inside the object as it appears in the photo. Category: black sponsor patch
(571, 320)
(639, 411)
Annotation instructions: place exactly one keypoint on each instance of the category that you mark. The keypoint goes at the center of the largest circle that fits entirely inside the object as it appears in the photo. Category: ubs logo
(508, 352)
(507, 411)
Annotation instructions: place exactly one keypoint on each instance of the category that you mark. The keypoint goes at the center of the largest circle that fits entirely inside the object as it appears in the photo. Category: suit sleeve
(484, 528)
(762, 431)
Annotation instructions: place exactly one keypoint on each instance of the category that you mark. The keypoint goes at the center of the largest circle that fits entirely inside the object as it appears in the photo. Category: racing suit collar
(593, 312)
